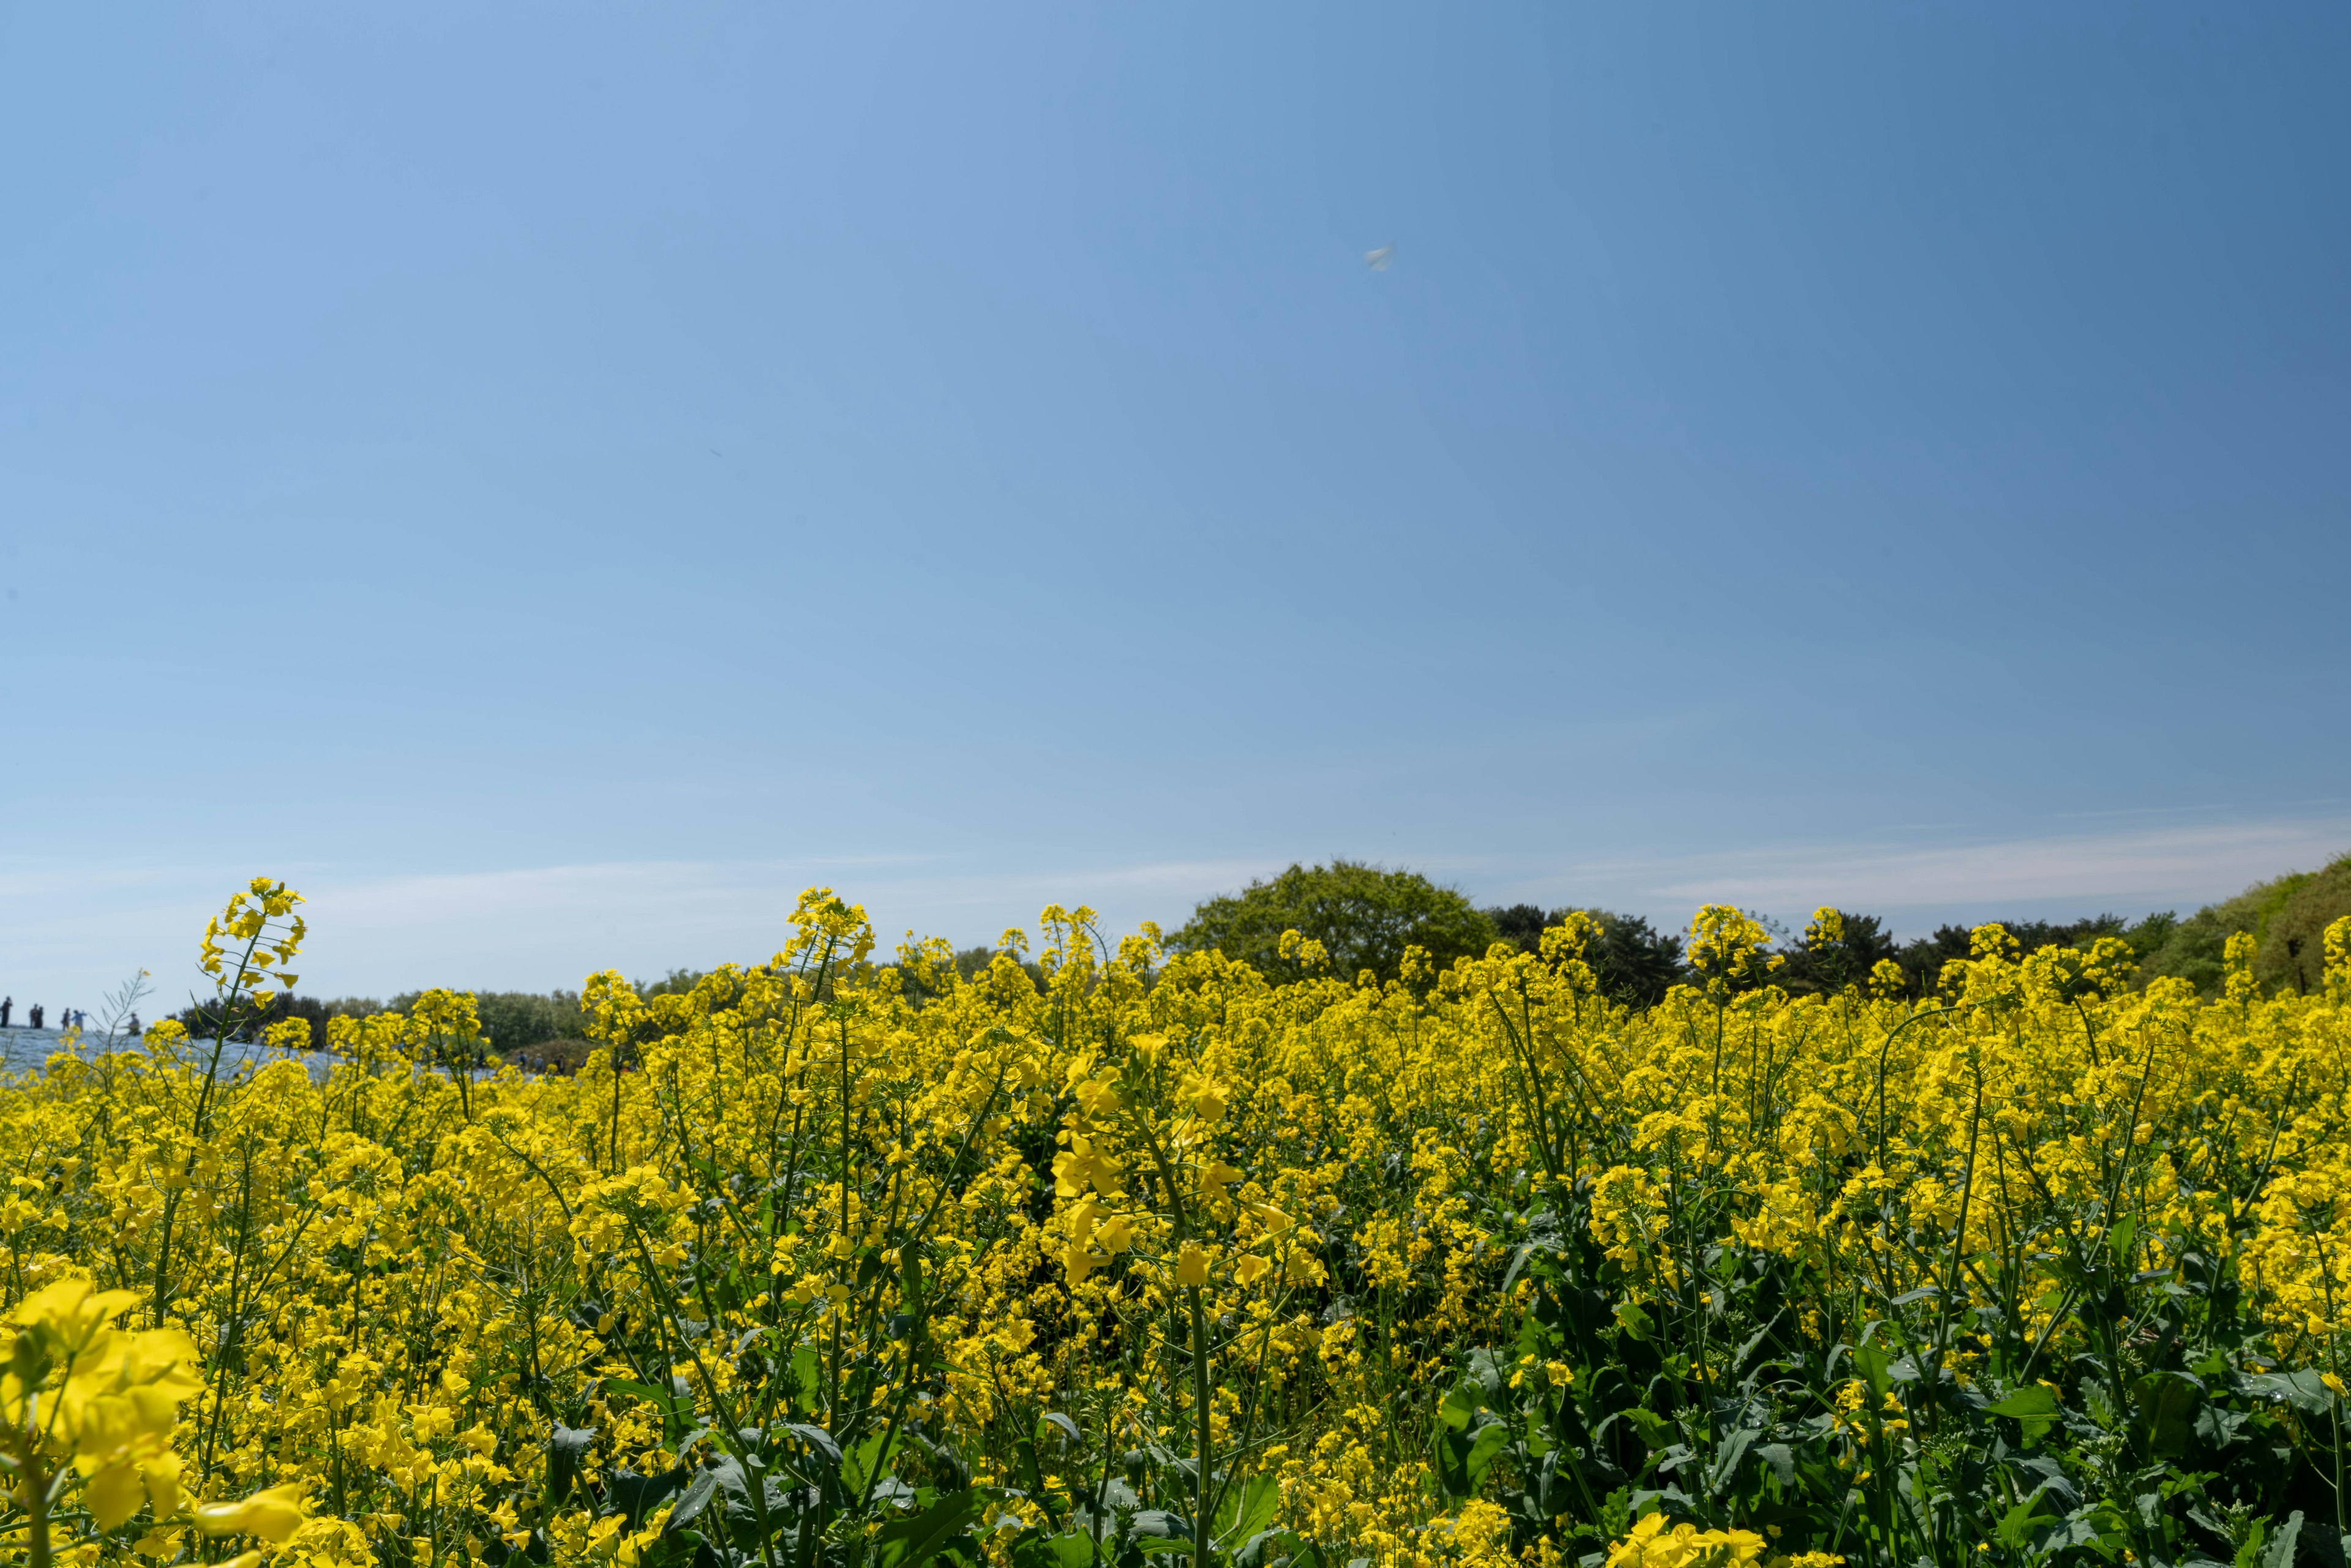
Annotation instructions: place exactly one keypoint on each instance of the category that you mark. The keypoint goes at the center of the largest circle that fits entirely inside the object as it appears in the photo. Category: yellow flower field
(840, 1261)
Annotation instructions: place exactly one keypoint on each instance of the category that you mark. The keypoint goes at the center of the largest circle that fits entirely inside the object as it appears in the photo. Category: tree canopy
(1363, 915)
(1634, 963)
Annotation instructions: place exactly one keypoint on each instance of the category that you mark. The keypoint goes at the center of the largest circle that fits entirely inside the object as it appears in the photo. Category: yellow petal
(113, 1495)
(162, 1478)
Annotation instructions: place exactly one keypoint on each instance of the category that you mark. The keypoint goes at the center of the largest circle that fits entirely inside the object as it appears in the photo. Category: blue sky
(552, 480)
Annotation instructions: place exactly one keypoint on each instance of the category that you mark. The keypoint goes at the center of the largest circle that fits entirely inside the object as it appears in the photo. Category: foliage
(2293, 942)
(2287, 917)
(246, 1019)
(677, 983)
(970, 963)
(1363, 917)
(1631, 961)
(1832, 955)
(515, 1019)
(1922, 958)
(508, 1020)
(866, 1264)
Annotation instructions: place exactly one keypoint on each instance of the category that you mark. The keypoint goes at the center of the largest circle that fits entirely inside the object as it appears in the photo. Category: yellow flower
(1191, 1267)
(1655, 1543)
(273, 1514)
(116, 1394)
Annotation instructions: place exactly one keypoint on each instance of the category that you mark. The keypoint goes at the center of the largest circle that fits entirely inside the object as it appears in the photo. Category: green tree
(1364, 917)
(2293, 955)
(516, 1019)
(2287, 916)
(1922, 959)
(1634, 963)
(1815, 967)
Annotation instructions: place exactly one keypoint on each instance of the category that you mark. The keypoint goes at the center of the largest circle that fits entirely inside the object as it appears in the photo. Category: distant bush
(2285, 917)
(245, 1021)
(1634, 962)
(1363, 915)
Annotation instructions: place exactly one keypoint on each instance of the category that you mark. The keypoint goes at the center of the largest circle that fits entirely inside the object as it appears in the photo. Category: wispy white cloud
(2129, 866)
(539, 927)
(63, 937)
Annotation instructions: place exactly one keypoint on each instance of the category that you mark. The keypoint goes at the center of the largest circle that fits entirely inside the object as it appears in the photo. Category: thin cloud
(2179, 865)
(67, 937)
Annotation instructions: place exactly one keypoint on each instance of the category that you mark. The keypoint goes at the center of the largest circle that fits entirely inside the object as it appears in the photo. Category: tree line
(1364, 917)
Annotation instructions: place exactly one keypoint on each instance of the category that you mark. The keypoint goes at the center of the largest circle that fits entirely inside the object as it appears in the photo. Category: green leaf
(1269, 1547)
(2303, 1389)
(1876, 1370)
(906, 1543)
(566, 1447)
(697, 1498)
(2167, 1403)
(660, 1399)
(1463, 1459)
(2264, 1549)
(1727, 1458)
(1251, 1508)
(2033, 1399)
(2280, 1553)
(2034, 1406)
(2016, 1526)
(1071, 1550)
(636, 1496)
(1655, 1429)
(1457, 1406)
(1157, 1530)
(1483, 1450)
(808, 1373)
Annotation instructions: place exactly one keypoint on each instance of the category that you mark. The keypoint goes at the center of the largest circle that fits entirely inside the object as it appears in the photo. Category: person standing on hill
(33, 1013)
(5, 1003)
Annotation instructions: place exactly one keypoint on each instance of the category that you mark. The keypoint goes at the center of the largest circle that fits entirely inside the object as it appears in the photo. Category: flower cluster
(1081, 1258)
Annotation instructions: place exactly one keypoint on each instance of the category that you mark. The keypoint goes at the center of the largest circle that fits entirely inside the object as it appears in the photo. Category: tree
(1922, 959)
(1817, 965)
(1522, 925)
(2287, 916)
(514, 1021)
(2293, 955)
(1363, 915)
(1634, 963)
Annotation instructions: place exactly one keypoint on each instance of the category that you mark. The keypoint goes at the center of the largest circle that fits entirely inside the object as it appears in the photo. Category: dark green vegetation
(511, 1020)
(2287, 917)
(2171, 1440)
(1365, 915)
(1634, 963)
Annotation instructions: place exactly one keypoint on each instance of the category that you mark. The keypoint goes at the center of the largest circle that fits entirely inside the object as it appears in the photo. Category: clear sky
(551, 480)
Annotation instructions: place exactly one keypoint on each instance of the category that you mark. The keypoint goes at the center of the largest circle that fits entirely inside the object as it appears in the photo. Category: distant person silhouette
(33, 1013)
(135, 1030)
(5, 1003)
